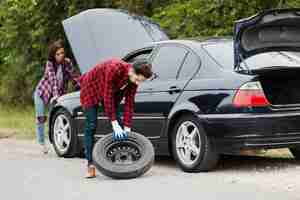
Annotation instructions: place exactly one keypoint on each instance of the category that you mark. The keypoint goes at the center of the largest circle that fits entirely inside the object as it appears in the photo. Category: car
(206, 98)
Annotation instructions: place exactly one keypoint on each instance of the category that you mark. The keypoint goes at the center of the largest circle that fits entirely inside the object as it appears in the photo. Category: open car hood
(272, 30)
(98, 34)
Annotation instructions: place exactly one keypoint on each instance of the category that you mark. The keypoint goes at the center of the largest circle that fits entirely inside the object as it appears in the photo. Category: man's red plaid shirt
(103, 83)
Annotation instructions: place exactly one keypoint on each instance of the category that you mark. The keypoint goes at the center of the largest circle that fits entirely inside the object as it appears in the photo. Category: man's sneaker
(91, 172)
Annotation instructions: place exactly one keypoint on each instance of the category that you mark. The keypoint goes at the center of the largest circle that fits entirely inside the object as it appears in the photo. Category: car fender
(71, 105)
(179, 109)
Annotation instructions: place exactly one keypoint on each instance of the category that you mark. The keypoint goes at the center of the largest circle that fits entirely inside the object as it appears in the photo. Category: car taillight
(250, 94)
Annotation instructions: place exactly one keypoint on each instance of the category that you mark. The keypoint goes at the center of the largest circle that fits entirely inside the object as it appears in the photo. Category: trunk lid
(269, 31)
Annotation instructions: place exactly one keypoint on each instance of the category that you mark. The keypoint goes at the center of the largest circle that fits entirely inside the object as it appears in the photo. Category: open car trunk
(268, 31)
(282, 87)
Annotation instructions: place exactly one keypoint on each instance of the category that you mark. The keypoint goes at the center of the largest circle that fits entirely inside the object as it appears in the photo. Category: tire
(295, 152)
(192, 153)
(126, 159)
(65, 140)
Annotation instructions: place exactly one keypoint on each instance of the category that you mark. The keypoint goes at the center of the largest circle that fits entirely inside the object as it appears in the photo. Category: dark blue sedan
(206, 98)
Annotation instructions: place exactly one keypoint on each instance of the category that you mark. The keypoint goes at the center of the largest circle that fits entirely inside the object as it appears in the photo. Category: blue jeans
(40, 117)
(90, 129)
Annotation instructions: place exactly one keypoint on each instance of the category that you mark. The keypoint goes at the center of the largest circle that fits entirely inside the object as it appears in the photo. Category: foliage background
(28, 26)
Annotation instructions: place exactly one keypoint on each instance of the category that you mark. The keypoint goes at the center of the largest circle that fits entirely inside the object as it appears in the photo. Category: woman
(58, 71)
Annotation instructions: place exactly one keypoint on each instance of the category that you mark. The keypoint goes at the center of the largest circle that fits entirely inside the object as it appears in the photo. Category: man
(108, 83)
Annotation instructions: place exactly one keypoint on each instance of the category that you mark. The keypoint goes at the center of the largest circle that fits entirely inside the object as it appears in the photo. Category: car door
(103, 126)
(157, 95)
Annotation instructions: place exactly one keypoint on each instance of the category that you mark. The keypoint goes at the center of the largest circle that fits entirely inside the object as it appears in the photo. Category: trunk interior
(282, 87)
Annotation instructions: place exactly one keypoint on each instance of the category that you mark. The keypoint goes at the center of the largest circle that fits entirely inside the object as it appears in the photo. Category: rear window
(223, 54)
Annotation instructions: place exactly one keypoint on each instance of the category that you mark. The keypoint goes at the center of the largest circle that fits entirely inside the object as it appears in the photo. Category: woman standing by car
(58, 71)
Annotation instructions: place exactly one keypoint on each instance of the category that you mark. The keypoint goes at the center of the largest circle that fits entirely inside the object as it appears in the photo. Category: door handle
(174, 89)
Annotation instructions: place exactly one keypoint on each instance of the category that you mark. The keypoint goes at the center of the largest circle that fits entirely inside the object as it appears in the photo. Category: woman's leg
(40, 118)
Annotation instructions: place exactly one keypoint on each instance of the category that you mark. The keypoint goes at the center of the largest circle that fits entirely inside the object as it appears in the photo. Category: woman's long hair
(53, 47)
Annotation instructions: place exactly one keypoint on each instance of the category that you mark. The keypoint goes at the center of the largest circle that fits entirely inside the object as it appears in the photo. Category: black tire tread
(126, 172)
(73, 150)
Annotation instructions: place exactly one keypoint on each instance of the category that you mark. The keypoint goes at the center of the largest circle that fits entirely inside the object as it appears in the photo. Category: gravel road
(27, 174)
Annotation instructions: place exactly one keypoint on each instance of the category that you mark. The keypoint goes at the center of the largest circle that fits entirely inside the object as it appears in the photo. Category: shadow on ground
(240, 163)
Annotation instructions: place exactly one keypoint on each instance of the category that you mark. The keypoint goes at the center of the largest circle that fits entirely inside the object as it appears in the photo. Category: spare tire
(123, 159)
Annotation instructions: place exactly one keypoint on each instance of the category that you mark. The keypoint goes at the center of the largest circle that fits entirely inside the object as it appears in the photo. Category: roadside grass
(275, 153)
(17, 121)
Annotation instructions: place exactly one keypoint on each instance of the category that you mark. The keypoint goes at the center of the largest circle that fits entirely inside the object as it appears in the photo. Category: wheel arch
(208, 158)
(176, 113)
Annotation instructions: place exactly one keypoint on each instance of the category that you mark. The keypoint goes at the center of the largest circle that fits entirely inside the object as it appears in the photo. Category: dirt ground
(28, 174)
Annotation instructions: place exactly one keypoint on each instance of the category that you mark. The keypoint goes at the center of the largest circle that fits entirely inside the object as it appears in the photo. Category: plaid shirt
(103, 83)
(49, 86)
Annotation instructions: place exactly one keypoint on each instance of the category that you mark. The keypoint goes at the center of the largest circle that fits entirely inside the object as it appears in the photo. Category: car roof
(194, 43)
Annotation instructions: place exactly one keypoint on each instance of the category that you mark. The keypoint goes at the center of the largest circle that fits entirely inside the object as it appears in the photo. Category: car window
(189, 67)
(223, 54)
(167, 62)
(139, 55)
(209, 67)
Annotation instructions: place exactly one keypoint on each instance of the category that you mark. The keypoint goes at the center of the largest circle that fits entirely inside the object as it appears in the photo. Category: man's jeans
(90, 129)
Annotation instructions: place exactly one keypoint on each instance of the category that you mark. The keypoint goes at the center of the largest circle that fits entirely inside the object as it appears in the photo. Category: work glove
(118, 132)
(126, 132)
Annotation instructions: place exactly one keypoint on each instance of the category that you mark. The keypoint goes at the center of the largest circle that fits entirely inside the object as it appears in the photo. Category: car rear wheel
(63, 135)
(191, 147)
(296, 152)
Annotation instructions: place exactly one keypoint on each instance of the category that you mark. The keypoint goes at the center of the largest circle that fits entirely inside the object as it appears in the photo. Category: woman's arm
(72, 74)
(50, 73)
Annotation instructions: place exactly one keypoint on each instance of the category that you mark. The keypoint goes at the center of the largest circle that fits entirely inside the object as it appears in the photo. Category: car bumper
(252, 131)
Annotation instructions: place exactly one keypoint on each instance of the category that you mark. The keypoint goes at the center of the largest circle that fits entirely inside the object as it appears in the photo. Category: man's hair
(53, 47)
(143, 67)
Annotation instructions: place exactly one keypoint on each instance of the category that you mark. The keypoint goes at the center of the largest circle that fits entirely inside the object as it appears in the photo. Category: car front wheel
(63, 135)
(191, 147)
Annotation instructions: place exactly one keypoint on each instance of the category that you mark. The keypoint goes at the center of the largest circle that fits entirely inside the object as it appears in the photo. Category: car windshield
(153, 29)
(223, 54)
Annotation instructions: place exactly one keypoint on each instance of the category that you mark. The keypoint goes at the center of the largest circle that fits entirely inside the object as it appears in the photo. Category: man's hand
(118, 133)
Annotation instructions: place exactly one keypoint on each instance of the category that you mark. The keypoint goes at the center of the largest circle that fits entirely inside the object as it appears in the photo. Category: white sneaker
(44, 149)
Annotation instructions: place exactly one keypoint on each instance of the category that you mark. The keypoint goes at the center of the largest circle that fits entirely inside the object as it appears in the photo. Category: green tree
(28, 26)
(207, 18)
